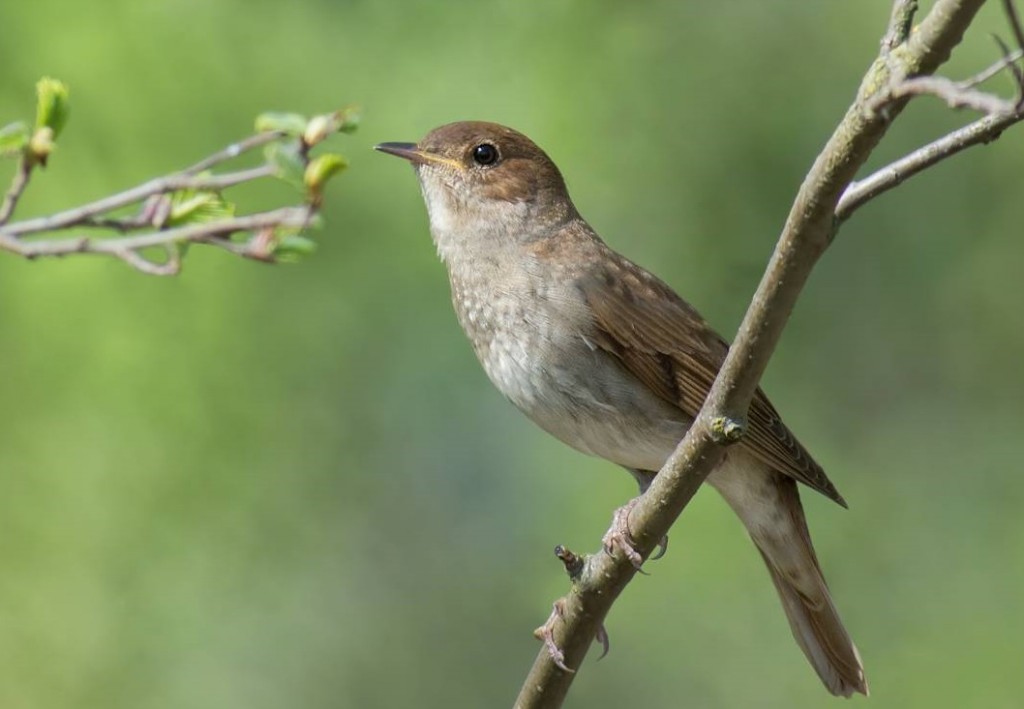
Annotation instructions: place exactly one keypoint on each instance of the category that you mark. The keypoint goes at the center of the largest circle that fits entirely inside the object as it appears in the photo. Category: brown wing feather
(667, 345)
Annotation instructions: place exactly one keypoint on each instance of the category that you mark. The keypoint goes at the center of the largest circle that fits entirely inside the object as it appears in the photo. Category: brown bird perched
(607, 358)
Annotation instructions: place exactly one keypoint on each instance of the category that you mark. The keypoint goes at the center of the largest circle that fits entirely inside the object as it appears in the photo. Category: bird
(606, 357)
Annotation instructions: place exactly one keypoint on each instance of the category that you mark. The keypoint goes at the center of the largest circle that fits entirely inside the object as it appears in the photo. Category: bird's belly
(643, 444)
(585, 398)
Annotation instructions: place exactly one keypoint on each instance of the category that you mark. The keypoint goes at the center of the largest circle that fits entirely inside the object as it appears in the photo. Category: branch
(18, 185)
(234, 150)
(161, 185)
(984, 130)
(183, 207)
(285, 217)
(1002, 113)
(955, 93)
(807, 233)
(900, 22)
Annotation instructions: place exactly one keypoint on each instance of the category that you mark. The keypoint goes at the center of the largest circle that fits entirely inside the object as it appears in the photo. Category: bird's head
(483, 182)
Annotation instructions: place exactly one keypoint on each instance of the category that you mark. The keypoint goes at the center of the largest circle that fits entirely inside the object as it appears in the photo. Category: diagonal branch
(805, 236)
(901, 20)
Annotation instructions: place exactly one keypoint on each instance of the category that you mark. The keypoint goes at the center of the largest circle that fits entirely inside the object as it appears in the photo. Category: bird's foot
(619, 535)
(546, 633)
(662, 548)
(602, 637)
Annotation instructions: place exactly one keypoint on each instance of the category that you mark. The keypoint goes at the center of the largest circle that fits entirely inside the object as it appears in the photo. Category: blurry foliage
(252, 487)
(189, 197)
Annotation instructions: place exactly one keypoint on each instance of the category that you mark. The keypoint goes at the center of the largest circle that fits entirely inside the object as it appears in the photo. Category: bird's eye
(485, 154)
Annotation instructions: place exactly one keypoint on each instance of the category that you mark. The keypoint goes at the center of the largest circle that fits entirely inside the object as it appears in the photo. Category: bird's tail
(793, 565)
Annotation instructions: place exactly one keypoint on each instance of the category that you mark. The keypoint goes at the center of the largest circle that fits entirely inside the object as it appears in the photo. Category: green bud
(321, 169)
(324, 125)
(53, 107)
(293, 247)
(348, 119)
(319, 127)
(192, 207)
(41, 144)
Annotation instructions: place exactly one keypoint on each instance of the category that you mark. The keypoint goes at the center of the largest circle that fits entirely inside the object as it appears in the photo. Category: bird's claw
(618, 535)
(602, 637)
(546, 633)
(662, 548)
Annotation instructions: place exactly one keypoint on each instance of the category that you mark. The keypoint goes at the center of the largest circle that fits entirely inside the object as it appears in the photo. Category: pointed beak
(415, 155)
(408, 151)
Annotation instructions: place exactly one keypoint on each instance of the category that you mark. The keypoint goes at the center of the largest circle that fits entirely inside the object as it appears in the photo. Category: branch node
(726, 430)
(573, 562)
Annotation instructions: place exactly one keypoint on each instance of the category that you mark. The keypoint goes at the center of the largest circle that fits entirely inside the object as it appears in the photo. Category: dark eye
(485, 154)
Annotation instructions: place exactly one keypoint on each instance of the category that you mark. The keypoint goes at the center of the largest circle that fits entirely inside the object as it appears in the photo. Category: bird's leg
(619, 531)
(546, 633)
(618, 535)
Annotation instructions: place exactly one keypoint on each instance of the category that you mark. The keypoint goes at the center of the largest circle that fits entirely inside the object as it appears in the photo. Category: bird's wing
(667, 345)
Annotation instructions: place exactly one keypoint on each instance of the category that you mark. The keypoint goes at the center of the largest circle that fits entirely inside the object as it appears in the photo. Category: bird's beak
(402, 150)
(413, 154)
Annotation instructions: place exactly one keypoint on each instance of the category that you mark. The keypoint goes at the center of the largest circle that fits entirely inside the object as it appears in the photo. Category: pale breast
(532, 345)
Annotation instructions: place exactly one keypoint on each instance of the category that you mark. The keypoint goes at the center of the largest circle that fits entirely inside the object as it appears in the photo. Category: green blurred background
(263, 487)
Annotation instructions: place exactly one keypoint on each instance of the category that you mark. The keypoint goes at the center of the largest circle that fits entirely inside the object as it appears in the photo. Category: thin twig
(160, 185)
(900, 22)
(1018, 34)
(233, 151)
(121, 224)
(285, 217)
(1014, 20)
(171, 267)
(952, 92)
(18, 185)
(957, 94)
(1009, 60)
(984, 130)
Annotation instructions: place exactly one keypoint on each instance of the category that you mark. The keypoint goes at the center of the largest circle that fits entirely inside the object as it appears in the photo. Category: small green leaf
(322, 168)
(192, 207)
(292, 248)
(324, 125)
(289, 123)
(13, 139)
(349, 119)
(288, 163)
(53, 106)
